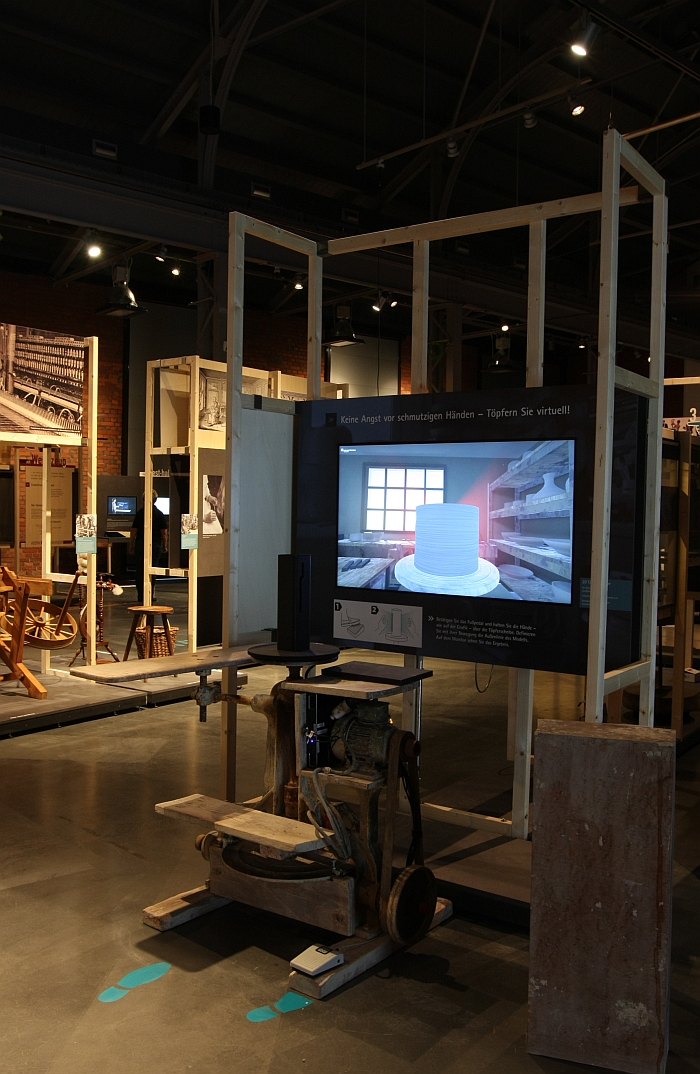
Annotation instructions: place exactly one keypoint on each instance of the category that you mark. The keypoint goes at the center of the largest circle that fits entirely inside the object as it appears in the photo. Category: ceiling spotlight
(529, 119)
(380, 302)
(94, 250)
(500, 360)
(393, 302)
(575, 107)
(582, 346)
(452, 149)
(584, 38)
(122, 302)
(162, 251)
(176, 269)
(298, 282)
(505, 327)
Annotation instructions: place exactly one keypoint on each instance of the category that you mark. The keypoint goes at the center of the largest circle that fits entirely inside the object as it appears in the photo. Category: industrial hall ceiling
(343, 117)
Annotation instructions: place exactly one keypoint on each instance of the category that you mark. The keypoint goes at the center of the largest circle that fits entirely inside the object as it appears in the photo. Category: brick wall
(35, 302)
(274, 342)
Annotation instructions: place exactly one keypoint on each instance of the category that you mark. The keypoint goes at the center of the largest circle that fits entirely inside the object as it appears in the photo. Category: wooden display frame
(617, 154)
(196, 438)
(87, 470)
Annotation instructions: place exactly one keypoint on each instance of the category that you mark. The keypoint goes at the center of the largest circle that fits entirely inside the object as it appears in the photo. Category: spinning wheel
(46, 625)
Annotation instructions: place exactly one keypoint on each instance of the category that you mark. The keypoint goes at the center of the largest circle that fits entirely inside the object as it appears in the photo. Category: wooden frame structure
(87, 476)
(180, 423)
(241, 225)
(617, 154)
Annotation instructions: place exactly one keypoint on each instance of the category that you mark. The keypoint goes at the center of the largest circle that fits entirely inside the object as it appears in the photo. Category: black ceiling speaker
(209, 119)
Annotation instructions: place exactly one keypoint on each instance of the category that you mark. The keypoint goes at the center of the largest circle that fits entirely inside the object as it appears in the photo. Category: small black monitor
(121, 505)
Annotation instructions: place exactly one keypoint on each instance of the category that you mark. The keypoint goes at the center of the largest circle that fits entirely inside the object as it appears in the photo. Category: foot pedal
(315, 960)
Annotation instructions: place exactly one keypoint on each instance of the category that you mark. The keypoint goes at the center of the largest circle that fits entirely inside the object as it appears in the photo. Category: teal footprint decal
(143, 975)
(291, 1001)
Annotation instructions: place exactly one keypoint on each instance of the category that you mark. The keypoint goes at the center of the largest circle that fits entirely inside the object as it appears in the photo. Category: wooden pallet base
(360, 956)
(181, 908)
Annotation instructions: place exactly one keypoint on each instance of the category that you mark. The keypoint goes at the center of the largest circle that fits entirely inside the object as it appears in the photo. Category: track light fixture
(122, 302)
(176, 269)
(94, 250)
(452, 149)
(298, 282)
(342, 335)
(161, 252)
(379, 302)
(501, 360)
(505, 327)
(576, 107)
(529, 119)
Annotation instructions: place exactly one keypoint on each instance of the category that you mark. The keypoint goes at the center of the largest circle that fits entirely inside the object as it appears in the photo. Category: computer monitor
(121, 505)
(163, 504)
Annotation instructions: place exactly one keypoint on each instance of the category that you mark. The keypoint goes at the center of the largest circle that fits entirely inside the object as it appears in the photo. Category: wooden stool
(149, 613)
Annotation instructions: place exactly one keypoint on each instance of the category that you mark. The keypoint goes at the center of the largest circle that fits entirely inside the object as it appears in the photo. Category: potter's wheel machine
(310, 848)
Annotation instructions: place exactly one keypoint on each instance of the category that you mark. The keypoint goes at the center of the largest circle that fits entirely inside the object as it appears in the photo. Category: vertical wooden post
(313, 346)
(521, 681)
(234, 375)
(193, 554)
(45, 655)
(148, 481)
(419, 332)
(605, 402)
(657, 341)
(91, 481)
(525, 681)
(16, 455)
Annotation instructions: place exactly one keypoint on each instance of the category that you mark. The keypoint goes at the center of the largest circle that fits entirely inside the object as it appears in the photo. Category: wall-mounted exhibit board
(459, 525)
(186, 465)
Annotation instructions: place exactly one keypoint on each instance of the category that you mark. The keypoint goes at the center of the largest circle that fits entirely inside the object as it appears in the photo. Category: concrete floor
(82, 851)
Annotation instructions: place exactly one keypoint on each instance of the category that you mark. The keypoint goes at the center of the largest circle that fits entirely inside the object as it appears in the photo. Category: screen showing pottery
(487, 519)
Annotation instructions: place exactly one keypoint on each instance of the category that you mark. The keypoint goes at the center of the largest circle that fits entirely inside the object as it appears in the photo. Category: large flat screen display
(482, 519)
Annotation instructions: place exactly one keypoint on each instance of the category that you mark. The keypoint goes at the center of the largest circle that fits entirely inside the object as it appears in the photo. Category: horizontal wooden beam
(278, 235)
(640, 169)
(626, 676)
(497, 220)
(681, 380)
(633, 382)
(462, 818)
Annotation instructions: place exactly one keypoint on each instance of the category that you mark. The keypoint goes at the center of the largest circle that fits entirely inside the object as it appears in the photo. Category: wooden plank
(605, 397)
(461, 818)
(496, 220)
(621, 677)
(328, 903)
(523, 749)
(277, 235)
(359, 957)
(361, 691)
(181, 908)
(602, 868)
(419, 319)
(633, 382)
(199, 662)
(537, 257)
(640, 169)
(268, 830)
(199, 807)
